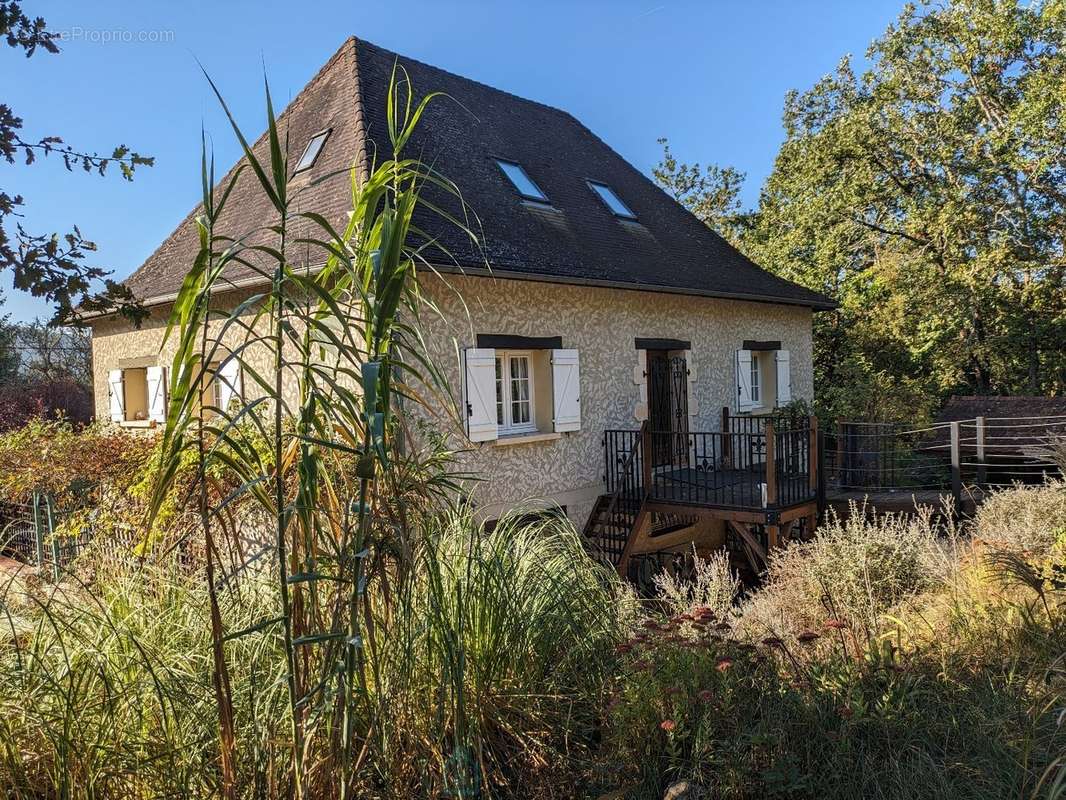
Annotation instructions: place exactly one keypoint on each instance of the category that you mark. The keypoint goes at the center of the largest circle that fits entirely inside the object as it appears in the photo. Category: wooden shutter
(229, 382)
(157, 393)
(116, 392)
(566, 390)
(479, 393)
(784, 377)
(744, 380)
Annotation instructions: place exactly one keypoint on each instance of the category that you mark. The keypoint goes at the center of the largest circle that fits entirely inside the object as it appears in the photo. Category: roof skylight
(522, 182)
(314, 147)
(611, 200)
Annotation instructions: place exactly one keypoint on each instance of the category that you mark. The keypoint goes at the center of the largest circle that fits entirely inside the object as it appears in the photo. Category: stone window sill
(526, 438)
(137, 423)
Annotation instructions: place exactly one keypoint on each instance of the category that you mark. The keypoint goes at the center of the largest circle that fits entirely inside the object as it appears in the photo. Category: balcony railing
(738, 470)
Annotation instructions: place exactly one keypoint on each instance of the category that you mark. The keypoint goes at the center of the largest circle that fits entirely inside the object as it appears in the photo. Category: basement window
(314, 147)
(611, 200)
(521, 181)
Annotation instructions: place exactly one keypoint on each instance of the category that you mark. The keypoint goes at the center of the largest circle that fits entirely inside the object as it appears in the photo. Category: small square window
(521, 181)
(314, 147)
(611, 200)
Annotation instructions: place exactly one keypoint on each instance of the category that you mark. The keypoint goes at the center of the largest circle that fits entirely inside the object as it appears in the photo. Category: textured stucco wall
(601, 324)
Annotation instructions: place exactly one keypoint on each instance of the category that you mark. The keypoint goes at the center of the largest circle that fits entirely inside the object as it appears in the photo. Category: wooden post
(981, 469)
(812, 455)
(956, 467)
(773, 537)
(771, 465)
(727, 440)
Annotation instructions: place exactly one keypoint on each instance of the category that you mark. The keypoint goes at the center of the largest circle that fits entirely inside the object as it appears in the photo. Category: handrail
(627, 464)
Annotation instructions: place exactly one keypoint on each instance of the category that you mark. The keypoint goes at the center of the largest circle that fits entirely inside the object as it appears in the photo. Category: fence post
(841, 473)
(38, 537)
(956, 467)
(50, 519)
(980, 436)
(771, 465)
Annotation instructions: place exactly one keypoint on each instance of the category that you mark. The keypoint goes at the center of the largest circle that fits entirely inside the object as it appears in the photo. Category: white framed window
(514, 392)
(137, 394)
(756, 383)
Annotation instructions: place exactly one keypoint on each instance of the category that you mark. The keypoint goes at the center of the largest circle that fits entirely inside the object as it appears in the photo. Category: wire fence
(982, 453)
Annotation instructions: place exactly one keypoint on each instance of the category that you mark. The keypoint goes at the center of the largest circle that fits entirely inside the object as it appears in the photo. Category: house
(608, 315)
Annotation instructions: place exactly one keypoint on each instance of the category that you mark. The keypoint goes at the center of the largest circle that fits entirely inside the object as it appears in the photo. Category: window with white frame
(756, 383)
(510, 392)
(514, 392)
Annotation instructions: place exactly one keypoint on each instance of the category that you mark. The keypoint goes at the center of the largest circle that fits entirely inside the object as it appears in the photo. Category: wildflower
(807, 637)
(622, 649)
(772, 641)
(835, 624)
(667, 725)
(706, 695)
(724, 663)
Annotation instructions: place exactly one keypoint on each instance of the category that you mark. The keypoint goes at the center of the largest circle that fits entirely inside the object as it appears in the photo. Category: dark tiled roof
(576, 239)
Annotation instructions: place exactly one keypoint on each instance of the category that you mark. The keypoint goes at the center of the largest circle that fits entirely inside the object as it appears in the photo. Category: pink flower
(724, 664)
(835, 624)
(706, 695)
(667, 725)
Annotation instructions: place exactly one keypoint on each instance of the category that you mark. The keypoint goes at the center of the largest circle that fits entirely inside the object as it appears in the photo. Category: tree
(49, 265)
(50, 353)
(928, 195)
(711, 193)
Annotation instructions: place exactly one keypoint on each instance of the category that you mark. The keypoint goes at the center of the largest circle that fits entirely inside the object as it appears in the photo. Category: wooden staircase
(609, 527)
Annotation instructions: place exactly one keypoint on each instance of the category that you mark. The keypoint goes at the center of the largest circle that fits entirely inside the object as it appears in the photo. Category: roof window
(314, 147)
(611, 200)
(521, 181)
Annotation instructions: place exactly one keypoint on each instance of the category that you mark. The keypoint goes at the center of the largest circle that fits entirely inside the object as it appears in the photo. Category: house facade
(596, 303)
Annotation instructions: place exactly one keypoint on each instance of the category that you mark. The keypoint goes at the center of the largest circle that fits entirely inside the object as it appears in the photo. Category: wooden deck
(723, 488)
(901, 501)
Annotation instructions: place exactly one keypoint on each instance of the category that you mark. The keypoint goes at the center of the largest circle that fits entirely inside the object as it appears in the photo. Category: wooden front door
(667, 407)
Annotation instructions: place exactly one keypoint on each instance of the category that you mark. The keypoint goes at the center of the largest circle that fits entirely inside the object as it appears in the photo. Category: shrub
(1024, 518)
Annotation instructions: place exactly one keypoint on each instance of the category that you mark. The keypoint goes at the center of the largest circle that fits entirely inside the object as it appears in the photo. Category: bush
(1024, 518)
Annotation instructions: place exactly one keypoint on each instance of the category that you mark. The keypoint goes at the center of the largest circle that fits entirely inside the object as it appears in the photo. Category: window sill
(526, 438)
(137, 423)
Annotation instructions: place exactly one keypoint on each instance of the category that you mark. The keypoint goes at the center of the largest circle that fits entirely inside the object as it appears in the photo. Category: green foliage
(47, 265)
(497, 648)
(926, 195)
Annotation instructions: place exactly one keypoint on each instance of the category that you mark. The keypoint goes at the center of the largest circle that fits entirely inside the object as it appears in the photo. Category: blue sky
(710, 76)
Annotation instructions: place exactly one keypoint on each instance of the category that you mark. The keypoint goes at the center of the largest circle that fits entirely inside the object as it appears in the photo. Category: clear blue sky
(711, 76)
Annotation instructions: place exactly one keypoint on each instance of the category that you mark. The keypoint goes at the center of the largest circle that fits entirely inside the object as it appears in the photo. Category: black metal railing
(712, 468)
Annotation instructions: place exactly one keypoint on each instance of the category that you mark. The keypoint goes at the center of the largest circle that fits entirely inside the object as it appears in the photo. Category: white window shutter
(229, 382)
(784, 377)
(744, 380)
(157, 393)
(566, 390)
(116, 392)
(479, 393)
